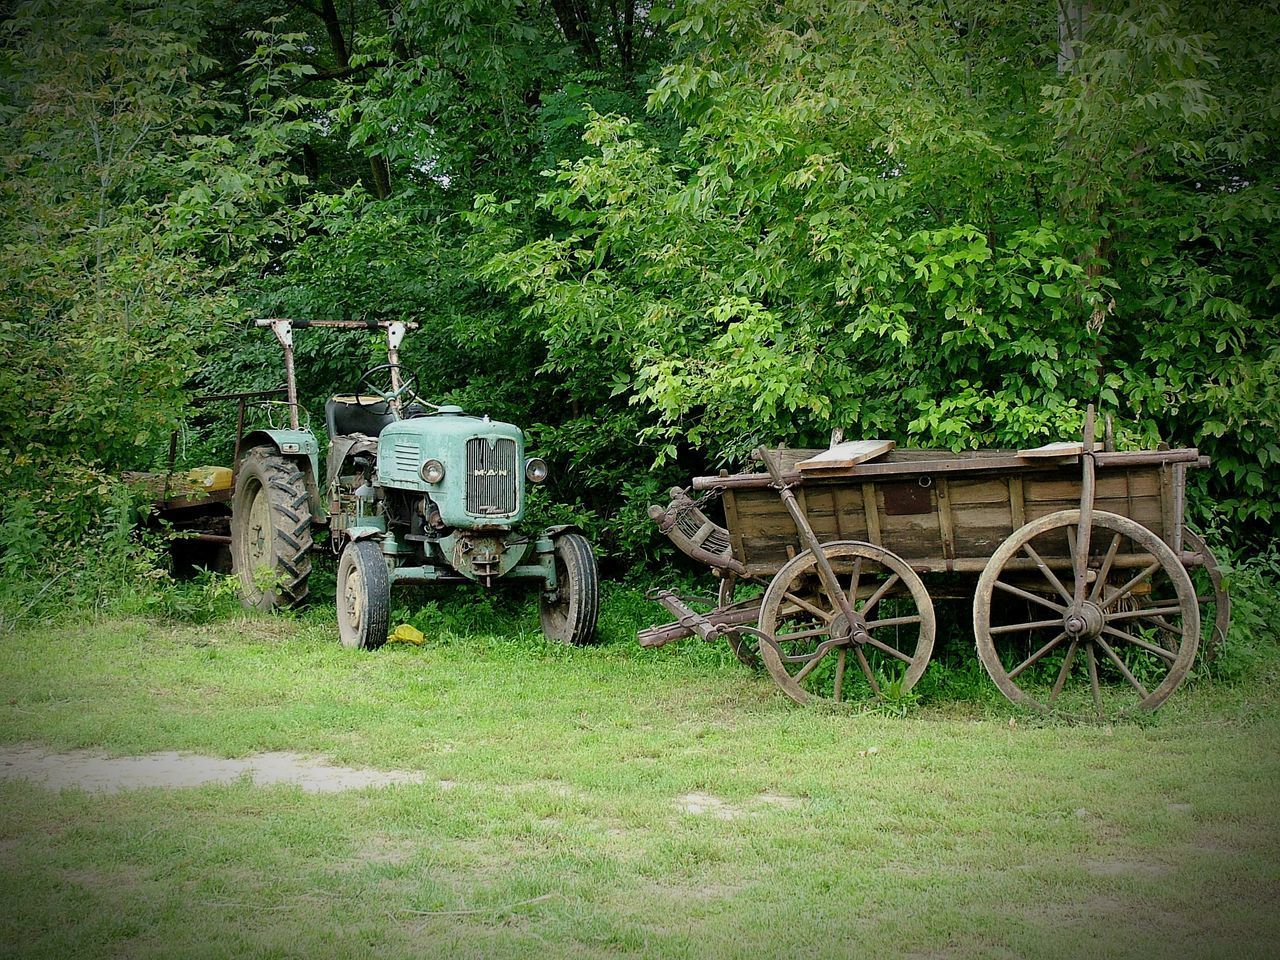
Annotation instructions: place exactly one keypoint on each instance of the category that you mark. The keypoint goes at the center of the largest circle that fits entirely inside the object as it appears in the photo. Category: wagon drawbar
(1076, 557)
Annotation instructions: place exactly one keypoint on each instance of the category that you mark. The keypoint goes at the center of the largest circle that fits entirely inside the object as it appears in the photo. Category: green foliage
(902, 219)
(135, 198)
(758, 221)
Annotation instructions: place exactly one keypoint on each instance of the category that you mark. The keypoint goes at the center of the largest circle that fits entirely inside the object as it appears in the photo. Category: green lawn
(550, 820)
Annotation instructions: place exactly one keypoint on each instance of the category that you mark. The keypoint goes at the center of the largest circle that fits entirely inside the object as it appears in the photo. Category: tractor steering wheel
(408, 386)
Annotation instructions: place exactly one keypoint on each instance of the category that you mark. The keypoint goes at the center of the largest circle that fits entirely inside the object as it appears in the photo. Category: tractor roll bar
(343, 324)
(283, 329)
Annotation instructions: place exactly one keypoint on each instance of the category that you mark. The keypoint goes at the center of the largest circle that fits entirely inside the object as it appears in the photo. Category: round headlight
(432, 471)
(536, 470)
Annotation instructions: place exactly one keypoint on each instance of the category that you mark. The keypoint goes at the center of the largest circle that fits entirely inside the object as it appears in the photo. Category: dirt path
(97, 772)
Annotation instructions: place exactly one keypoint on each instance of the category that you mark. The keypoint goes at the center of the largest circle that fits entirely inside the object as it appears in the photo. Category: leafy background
(653, 234)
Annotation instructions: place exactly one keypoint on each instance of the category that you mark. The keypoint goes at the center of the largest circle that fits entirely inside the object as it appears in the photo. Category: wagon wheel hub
(1083, 621)
(847, 631)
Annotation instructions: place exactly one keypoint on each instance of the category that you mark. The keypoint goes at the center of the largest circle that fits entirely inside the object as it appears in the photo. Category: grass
(550, 821)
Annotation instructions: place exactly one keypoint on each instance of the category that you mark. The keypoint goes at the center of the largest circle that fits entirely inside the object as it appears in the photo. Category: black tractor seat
(347, 415)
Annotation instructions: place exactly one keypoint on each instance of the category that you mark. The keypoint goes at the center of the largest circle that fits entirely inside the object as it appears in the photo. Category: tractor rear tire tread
(286, 491)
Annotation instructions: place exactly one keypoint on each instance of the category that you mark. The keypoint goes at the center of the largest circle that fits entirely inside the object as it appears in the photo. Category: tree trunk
(378, 169)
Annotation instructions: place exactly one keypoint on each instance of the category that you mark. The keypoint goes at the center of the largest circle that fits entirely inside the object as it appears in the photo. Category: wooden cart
(1077, 559)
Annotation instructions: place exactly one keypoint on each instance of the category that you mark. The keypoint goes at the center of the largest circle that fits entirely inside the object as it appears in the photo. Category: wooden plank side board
(1064, 448)
(848, 454)
(963, 520)
(915, 463)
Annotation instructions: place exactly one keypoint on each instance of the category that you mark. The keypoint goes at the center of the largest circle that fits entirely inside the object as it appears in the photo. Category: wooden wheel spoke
(853, 581)
(1165, 625)
(1167, 655)
(802, 634)
(1030, 625)
(1048, 574)
(806, 605)
(891, 651)
(1036, 656)
(1128, 587)
(1063, 673)
(893, 621)
(1028, 595)
(839, 686)
(1143, 613)
(880, 592)
(1120, 665)
(1105, 570)
(866, 670)
(1094, 687)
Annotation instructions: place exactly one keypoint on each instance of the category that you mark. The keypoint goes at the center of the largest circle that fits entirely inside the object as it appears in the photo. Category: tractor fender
(299, 445)
(362, 533)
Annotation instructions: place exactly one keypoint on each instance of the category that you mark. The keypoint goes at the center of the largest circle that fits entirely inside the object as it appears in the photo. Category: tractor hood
(483, 461)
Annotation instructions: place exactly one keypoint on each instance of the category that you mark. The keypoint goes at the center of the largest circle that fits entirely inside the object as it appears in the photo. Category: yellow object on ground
(406, 634)
(210, 478)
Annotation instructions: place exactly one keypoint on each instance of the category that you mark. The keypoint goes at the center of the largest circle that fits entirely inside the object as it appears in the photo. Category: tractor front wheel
(270, 530)
(364, 595)
(570, 616)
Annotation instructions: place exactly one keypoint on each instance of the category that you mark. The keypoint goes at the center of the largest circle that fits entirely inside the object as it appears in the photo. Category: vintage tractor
(412, 493)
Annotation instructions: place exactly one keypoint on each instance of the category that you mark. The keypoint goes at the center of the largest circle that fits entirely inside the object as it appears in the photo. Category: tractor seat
(346, 415)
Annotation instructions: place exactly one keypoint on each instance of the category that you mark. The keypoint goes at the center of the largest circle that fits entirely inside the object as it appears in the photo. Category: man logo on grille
(491, 473)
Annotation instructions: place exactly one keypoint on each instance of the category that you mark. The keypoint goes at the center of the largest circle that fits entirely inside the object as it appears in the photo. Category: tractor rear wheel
(571, 616)
(270, 531)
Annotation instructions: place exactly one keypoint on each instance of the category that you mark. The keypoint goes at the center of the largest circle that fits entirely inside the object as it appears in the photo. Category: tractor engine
(456, 485)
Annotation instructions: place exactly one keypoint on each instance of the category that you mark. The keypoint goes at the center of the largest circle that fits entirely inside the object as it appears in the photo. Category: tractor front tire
(270, 531)
(571, 616)
(364, 595)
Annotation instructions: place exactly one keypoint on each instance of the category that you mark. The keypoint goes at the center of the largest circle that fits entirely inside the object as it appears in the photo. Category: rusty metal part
(907, 498)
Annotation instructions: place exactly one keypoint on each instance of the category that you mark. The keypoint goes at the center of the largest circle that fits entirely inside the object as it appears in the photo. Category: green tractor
(412, 493)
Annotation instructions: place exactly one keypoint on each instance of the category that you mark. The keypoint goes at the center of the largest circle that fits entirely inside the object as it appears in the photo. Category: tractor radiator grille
(407, 456)
(493, 476)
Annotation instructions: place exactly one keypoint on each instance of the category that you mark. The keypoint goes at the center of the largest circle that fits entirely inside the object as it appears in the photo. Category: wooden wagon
(1087, 587)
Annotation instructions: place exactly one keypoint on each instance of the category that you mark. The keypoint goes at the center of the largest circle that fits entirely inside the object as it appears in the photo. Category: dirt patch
(1127, 868)
(96, 772)
(704, 804)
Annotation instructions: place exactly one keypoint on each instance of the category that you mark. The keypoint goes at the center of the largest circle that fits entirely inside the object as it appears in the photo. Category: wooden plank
(848, 454)
(1063, 448)
(945, 522)
(1166, 504)
(1017, 502)
(1179, 504)
(885, 469)
(733, 523)
(980, 490)
(872, 510)
(835, 514)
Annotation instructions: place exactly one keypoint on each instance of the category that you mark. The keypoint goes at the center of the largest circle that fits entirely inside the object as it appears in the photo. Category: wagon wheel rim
(815, 653)
(1126, 646)
(1211, 594)
(742, 645)
(353, 598)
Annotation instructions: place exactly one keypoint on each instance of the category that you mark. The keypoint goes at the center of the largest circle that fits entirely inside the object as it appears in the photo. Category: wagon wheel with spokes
(1122, 641)
(815, 651)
